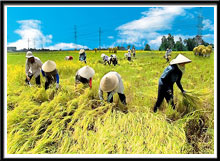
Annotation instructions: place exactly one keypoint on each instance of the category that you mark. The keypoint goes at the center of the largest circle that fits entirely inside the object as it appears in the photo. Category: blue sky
(54, 27)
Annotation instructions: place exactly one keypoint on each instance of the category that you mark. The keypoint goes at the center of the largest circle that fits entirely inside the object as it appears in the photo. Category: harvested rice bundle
(208, 50)
(195, 50)
(204, 52)
(192, 100)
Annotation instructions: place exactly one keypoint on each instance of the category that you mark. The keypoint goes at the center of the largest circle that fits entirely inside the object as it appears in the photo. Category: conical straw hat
(49, 66)
(109, 82)
(81, 51)
(29, 54)
(102, 55)
(86, 72)
(180, 59)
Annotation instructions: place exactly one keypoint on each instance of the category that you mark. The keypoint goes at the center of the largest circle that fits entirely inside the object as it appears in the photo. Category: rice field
(72, 120)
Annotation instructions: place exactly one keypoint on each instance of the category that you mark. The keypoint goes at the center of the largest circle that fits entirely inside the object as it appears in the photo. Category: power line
(75, 36)
(200, 26)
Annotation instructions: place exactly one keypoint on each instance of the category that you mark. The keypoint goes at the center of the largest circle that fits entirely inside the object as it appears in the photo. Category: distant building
(12, 49)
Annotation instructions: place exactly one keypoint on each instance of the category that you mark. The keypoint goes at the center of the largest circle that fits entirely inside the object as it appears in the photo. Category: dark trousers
(129, 58)
(162, 93)
(114, 62)
(121, 96)
(37, 79)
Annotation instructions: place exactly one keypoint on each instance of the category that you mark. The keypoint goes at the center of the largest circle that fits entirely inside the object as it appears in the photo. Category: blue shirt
(171, 75)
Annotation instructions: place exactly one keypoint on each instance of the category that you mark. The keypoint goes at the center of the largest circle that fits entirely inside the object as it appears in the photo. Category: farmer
(168, 54)
(113, 59)
(32, 68)
(68, 58)
(50, 73)
(105, 59)
(112, 83)
(82, 55)
(172, 74)
(129, 55)
(84, 75)
(133, 51)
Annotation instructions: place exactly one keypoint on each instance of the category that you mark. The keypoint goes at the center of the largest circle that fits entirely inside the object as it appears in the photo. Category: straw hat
(86, 72)
(81, 51)
(109, 82)
(29, 54)
(49, 66)
(114, 56)
(180, 59)
(102, 55)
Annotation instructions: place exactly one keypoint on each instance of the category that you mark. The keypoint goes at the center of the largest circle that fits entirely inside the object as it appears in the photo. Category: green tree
(179, 46)
(190, 43)
(147, 47)
(167, 42)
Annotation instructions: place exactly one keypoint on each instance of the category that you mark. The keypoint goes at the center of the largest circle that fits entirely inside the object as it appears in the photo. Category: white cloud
(148, 26)
(110, 37)
(65, 46)
(207, 25)
(30, 30)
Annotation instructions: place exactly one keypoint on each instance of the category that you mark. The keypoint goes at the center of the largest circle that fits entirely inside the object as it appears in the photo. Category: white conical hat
(49, 66)
(29, 54)
(102, 55)
(180, 59)
(114, 56)
(109, 82)
(86, 72)
(81, 51)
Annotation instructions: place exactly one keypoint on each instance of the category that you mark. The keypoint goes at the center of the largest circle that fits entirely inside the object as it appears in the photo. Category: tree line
(180, 45)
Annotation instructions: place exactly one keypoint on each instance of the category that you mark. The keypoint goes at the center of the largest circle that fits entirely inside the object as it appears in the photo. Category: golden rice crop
(72, 119)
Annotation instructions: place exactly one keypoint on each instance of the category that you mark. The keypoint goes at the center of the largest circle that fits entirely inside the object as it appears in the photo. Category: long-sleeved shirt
(106, 58)
(82, 57)
(171, 75)
(52, 76)
(118, 89)
(129, 54)
(33, 68)
(168, 52)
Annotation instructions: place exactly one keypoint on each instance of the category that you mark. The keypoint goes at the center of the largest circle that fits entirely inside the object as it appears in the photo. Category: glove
(57, 86)
(169, 92)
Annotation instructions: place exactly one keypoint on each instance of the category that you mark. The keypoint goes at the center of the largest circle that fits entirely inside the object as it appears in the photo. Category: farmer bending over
(32, 68)
(112, 83)
(172, 74)
(82, 55)
(50, 73)
(168, 54)
(105, 59)
(84, 75)
(113, 59)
